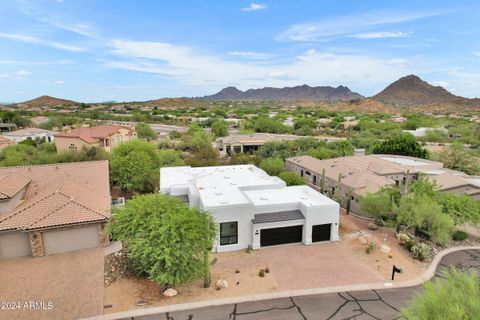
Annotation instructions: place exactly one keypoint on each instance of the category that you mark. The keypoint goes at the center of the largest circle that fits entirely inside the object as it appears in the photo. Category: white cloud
(22, 74)
(398, 62)
(202, 73)
(39, 41)
(381, 35)
(250, 54)
(349, 25)
(255, 7)
(5, 75)
(476, 53)
(59, 82)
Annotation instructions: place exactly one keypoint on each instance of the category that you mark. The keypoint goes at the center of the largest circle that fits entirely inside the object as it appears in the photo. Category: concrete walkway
(287, 295)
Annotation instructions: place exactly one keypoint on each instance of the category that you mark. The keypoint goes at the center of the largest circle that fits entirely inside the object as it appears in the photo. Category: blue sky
(101, 50)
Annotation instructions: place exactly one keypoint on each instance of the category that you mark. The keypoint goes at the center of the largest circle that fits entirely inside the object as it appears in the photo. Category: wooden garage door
(14, 245)
(321, 232)
(58, 241)
(283, 235)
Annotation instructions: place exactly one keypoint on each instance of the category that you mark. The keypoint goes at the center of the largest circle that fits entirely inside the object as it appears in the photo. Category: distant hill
(47, 101)
(413, 91)
(304, 92)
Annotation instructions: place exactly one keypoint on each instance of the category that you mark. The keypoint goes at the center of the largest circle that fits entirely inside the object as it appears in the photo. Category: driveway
(382, 304)
(71, 282)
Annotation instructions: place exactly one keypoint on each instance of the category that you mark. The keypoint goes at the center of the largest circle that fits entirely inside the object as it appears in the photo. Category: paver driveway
(73, 282)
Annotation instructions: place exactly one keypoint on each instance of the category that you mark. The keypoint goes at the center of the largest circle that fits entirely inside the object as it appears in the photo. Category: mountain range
(408, 91)
(304, 92)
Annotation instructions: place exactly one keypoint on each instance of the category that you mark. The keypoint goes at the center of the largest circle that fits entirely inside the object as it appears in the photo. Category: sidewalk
(427, 275)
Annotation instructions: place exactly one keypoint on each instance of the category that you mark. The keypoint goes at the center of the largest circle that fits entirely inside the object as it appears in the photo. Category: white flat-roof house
(30, 134)
(253, 209)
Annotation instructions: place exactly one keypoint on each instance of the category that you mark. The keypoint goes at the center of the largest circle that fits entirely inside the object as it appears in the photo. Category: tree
(272, 166)
(404, 144)
(220, 128)
(424, 214)
(291, 178)
(455, 295)
(144, 131)
(456, 157)
(165, 238)
(135, 166)
(378, 205)
(274, 149)
(205, 157)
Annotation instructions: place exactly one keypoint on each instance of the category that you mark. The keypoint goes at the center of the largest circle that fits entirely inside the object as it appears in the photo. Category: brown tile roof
(60, 194)
(449, 180)
(92, 134)
(11, 184)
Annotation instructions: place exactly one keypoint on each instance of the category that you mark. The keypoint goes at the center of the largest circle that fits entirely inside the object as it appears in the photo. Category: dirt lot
(291, 267)
(72, 282)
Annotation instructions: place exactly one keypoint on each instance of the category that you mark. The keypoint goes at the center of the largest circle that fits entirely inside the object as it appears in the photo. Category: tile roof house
(104, 136)
(29, 134)
(360, 175)
(247, 143)
(253, 209)
(54, 208)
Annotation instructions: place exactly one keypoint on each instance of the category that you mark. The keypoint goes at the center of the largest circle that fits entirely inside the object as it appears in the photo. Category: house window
(228, 233)
(307, 173)
(301, 173)
(72, 146)
(315, 180)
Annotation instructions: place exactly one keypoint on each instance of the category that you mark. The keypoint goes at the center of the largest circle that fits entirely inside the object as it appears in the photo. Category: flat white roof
(237, 185)
(294, 194)
(406, 161)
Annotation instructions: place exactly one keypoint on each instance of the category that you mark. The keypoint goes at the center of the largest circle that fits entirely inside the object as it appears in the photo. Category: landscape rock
(222, 284)
(372, 226)
(384, 248)
(363, 240)
(170, 292)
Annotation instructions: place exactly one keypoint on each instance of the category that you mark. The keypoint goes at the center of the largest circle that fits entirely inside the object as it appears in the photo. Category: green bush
(372, 246)
(272, 166)
(453, 296)
(420, 251)
(459, 235)
(291, 178)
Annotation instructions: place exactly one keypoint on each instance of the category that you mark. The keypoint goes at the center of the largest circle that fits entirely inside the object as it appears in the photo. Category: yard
(290, 267)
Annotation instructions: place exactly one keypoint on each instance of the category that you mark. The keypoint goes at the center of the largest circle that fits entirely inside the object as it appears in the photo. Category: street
(382, 304)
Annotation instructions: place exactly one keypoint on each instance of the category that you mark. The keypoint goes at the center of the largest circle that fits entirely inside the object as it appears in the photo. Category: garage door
(274, 236)
(321, 232)
(14, 245)
(59, 241)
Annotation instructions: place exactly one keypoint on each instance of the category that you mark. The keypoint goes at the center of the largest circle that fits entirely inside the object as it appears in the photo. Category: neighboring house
(352, 177)
(104, 136)
(253, 209)
(38, 120)
(4, 142)
(421, 132)
(54, 208)
(30, 134)
(7, 127)
(249, 143)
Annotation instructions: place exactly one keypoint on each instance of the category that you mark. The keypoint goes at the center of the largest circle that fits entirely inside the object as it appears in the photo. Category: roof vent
(233, 183)
(218, 193)
(224, 202)
(263, 198)
(226, 177)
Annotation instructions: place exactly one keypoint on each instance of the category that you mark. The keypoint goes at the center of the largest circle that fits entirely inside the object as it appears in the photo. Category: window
(72, 146)
(301, 173)
(307, 173)
(228, 233)
(315, 180)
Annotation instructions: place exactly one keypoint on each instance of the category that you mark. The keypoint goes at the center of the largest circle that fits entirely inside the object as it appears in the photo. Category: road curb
(427, 275)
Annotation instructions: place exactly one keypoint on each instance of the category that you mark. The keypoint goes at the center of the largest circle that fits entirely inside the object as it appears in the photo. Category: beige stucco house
(54, 208)
(104, 136)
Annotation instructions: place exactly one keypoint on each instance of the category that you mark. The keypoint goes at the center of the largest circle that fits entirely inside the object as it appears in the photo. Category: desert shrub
(459, 235)
(420, 251)
(261, 273)
(403, 238)
(372, 246)
(291, 178)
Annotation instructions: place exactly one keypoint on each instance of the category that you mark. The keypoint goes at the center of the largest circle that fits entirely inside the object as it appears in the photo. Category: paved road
(362, 305)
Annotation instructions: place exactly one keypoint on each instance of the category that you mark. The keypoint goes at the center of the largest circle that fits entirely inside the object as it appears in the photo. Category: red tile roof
(59, 194)
(92, 134)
